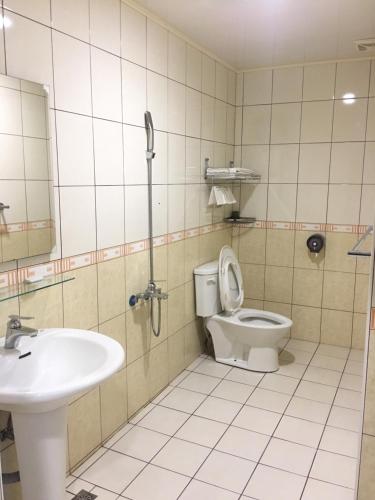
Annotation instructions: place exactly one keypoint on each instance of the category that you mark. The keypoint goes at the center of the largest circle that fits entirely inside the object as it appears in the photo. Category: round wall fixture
(315, 243)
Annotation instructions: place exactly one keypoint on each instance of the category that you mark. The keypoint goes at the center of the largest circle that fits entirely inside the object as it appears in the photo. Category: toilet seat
(230, 281)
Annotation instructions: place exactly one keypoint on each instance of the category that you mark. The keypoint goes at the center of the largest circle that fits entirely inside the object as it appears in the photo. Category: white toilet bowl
(247, 338)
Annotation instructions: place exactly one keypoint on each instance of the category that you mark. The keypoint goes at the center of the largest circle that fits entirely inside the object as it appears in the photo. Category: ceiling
(252, 33)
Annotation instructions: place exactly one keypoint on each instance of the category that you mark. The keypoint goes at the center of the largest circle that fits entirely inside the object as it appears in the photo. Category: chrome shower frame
(152, 292)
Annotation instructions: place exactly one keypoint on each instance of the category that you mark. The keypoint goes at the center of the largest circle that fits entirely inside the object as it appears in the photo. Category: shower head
(149, 126)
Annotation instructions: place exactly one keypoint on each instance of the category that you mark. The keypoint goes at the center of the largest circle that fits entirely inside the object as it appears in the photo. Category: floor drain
(85, 495)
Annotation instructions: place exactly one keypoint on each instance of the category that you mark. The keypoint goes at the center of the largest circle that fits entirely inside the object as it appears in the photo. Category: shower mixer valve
(151, 292)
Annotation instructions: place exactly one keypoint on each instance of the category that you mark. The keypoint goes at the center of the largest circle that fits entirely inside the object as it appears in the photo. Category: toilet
(246, 338)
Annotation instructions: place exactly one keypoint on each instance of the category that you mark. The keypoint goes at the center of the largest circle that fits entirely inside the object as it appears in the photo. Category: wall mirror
(26, 204)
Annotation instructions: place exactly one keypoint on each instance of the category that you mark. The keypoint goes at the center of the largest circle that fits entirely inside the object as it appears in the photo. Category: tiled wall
(106, 63)
(310, 132)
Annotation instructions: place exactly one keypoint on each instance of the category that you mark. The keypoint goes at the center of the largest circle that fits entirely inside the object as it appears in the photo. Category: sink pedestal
(41, 450)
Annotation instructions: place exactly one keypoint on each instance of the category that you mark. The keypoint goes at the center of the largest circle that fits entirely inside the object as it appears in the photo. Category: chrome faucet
(15, 330)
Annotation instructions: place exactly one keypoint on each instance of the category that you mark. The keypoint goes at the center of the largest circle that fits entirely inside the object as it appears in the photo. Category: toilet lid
(230, 280)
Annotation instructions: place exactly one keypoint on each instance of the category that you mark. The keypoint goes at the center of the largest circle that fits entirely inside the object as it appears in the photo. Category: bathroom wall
(310, 131)
(366, 486)
(106, 63)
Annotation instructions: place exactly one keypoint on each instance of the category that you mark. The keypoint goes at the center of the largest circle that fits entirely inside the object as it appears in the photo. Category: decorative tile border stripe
(78, 261)
(304, 226)
(18, 227)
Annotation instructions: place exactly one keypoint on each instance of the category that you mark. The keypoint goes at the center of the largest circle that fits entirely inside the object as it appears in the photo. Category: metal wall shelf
(229, 173)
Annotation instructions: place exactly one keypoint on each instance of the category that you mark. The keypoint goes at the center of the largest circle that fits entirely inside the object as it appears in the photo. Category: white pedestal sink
(37, 381)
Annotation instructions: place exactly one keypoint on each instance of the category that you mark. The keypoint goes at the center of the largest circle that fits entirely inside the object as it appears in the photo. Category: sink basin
(37, 381)
(62, 363)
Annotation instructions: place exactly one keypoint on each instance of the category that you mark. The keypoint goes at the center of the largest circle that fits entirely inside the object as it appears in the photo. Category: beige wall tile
(336, 327)
(369, 415)
(253, 276)
(306, 323)
(303, 257)
(359, 330)
(278, 308)
(189, 302)
(252, 246)
(6, 309)
(338, 291)
(14, 245)
(307, 287)
(163, 325)
(366, 489)
(137, 273)
(113, 403)
(176, 308)
(161, 265)
(194, 340)
(280, 247)
(111, 288)
(158, 373)
(336, 252)
(176, 354)
(81, 299)
(116, 329)
(191, 256)
(361, 293)
(45, 306)
(278, 284)
(138, 386)
(84, 432)
(176, 256)
(137, 331)
(253, 304)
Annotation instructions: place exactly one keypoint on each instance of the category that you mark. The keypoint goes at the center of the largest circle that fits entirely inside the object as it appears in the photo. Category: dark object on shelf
(235, 218)
(315, 243)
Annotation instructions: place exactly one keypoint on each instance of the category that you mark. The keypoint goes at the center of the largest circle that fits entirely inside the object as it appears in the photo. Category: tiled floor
(222, 433)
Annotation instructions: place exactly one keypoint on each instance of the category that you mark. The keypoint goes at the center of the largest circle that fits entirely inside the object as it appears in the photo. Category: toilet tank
(207, 292)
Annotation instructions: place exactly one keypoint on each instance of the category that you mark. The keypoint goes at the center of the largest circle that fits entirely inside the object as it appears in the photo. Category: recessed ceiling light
(348, 98)
(5, 22)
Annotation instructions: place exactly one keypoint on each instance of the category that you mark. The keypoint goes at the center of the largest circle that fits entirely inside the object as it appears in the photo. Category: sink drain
(85, 495)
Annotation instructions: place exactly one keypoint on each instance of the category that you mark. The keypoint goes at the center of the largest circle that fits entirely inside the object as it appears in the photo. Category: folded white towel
(221, 195)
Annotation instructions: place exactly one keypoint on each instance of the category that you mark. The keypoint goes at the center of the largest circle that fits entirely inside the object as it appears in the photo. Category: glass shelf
(14, 291)
(240, 220)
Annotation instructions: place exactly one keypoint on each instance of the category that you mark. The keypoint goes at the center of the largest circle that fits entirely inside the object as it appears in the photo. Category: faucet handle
(16, 316)
(15, 320)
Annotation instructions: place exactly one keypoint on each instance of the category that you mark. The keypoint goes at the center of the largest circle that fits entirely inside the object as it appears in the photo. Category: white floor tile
(141, 443)
(288, 456)
(352, 382)
(334, 351)
(212, 368)
(183, 400)
(268, 400)
(197, 490)
(156, 483)
(118, 435)
(279, 383)
(316, 392)
(194, 364)
(340, 441)
(199, 383)
(233, 391)
(270, 484)
(290, 355)
(164, 420)
(322, 361)
(226, 471)
(294, 370)
(308, 410)
(78, 485)
(299, 431)
(318, 490)
(94, 457)
(334, 468)
(202, 431)
(218, 409)
(138, 416)
(322, 376)
(349, 399)
(179, 378)
(302, 345)
(243, 443)
(356, 355)
(257, 420)
(244, 376)
(345, 418)
(181, 456)
(104, 494)
(113, 471)
(354, 367)
(162, 395)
